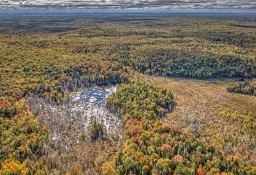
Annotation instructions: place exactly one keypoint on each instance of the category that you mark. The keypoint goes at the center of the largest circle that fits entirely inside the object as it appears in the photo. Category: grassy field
(199, 103)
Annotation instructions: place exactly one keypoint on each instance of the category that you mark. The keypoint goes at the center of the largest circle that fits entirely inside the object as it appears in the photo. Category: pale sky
(129, 4)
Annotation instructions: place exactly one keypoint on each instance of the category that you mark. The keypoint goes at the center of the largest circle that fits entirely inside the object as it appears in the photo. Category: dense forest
(49, 58)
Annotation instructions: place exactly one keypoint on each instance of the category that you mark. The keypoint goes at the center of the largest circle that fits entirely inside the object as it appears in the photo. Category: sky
(128, 4)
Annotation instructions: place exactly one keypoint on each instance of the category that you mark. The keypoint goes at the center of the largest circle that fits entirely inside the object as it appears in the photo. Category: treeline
(244, 87)
(234, 38)
(79, 77)
(152, 147)
(165, 62)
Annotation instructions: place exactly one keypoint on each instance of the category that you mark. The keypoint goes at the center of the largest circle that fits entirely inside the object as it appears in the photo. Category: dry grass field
(198, 108)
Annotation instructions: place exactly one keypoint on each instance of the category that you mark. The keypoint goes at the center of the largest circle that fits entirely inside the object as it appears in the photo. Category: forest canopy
(49, 58)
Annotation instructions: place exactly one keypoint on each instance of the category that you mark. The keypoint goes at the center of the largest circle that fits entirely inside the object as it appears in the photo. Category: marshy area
(80, 129)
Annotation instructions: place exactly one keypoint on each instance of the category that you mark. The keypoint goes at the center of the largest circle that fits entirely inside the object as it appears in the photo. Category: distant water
(85, 107)
(106, 14)
(96, 95)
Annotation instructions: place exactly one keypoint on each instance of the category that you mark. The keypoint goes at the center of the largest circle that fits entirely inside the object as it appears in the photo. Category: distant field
(190, 91)
(198, 107)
